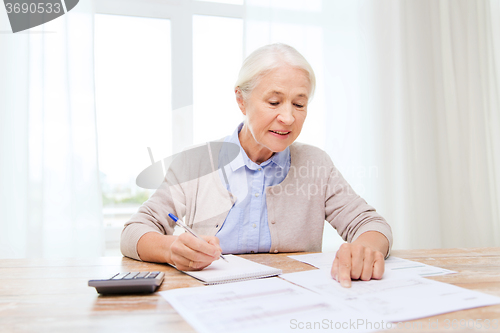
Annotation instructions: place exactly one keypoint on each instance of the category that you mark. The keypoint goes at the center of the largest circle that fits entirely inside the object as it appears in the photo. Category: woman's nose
(286, 115)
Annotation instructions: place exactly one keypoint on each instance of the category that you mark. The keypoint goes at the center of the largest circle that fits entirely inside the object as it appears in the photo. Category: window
(217, 57)
(156, 57)
(133, 106)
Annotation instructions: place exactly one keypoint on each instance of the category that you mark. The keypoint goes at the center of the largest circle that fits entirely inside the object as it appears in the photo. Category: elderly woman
(273, 197)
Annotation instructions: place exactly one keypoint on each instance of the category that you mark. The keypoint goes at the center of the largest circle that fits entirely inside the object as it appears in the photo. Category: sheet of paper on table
(321, 260)
(264, 305)
(397, 297)
(325, 260)
(314, 298)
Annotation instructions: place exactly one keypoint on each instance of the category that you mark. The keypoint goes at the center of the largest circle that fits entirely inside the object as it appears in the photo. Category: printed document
(265, 305)
(325, 260)
(396, 297)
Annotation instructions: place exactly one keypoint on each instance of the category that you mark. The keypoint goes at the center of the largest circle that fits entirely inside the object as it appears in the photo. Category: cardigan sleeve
(188, 190)
(350, 214)
(152, 216)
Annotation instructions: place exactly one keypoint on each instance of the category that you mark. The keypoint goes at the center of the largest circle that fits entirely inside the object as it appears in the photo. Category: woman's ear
(240, 100)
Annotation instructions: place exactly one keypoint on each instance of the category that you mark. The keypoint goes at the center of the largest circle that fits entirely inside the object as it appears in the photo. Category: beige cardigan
(312, 192)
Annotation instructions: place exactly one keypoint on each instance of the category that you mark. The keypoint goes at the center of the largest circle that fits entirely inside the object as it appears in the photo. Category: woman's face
(275, 112)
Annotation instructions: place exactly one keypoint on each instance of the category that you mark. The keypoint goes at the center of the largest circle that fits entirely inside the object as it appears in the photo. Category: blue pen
(188, 229)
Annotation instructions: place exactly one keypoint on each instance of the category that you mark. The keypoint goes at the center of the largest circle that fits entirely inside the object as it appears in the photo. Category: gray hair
(267, 58)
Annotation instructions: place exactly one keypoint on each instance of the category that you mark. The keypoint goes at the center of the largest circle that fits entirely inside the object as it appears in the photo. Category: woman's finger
(200, 245)
(378, 266)
(345, 264)
(186, 257)
(357, 261)
(369, 261)
(190, 263)
(353, 262)
(214, 241)
(335, 269)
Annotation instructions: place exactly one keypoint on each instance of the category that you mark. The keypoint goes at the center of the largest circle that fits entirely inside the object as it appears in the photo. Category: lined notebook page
(236, 269)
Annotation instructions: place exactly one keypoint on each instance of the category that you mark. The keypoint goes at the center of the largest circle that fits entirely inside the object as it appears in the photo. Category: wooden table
(39, 295)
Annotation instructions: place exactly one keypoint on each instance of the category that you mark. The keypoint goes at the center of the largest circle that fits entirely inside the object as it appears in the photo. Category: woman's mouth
(280, 132)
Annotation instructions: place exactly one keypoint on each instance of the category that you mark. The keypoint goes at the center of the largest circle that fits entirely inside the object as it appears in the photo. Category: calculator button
(153, 275)
(120, 276)
(141, 275)
(131, 276)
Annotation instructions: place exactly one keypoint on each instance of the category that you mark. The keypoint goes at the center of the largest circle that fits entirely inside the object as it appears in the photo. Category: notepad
(236, 269)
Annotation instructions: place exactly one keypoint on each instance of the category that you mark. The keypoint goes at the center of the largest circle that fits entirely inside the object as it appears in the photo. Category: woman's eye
(274, 103)
(299, 105)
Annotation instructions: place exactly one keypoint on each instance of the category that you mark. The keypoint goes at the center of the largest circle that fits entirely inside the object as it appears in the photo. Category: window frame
(180, 13)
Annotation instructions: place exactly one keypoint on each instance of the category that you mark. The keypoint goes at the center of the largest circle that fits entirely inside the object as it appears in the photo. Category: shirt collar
(280, 158)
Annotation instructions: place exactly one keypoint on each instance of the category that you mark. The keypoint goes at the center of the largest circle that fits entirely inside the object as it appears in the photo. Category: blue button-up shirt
(246, 229)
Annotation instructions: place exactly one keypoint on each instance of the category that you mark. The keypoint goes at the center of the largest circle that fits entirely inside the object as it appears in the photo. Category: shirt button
(276, 251)
(273, 222)
(256, 194)
(254, 225)
(259, 169)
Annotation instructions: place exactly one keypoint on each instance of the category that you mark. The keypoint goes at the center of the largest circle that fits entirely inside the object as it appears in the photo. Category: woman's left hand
(360, 260)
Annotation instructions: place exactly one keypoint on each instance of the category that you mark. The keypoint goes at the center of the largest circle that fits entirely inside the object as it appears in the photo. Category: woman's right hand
(189, 253)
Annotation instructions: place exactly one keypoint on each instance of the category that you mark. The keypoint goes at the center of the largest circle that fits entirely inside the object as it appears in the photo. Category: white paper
(413, 267)
(322, 260)
(325, 260)
(266, 305)
(397, 297)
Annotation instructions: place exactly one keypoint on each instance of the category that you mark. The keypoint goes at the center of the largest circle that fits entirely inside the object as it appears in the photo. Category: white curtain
(407, 106)
(49, 183)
